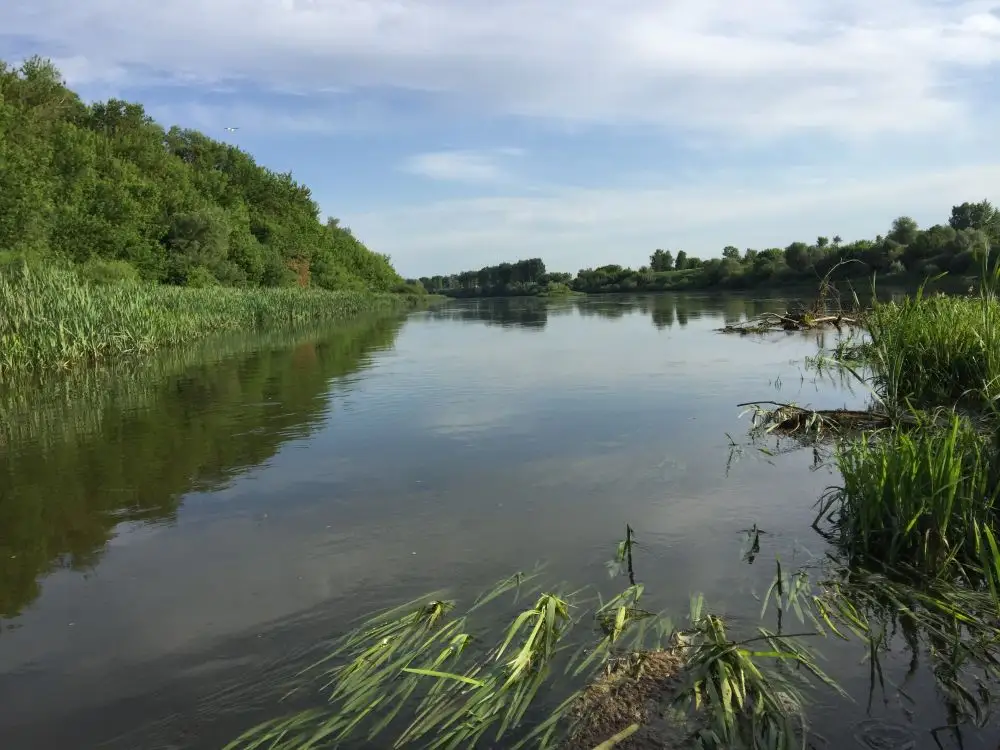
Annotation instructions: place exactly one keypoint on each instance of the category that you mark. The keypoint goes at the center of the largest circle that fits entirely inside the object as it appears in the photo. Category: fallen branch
(789, 419)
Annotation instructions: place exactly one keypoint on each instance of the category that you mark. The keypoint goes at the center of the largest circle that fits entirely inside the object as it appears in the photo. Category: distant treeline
(957, 247)
(105, 187)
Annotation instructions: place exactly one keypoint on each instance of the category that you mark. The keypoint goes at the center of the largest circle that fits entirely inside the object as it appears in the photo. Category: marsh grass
(51, 319)
(931, 350)
(913, 496)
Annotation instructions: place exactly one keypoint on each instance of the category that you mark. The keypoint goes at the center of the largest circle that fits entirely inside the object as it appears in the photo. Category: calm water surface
(177, 539)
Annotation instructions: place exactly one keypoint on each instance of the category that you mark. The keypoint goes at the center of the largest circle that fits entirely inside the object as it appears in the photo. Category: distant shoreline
(908, 282)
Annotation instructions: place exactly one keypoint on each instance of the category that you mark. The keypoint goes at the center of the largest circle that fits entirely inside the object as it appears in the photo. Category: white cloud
(256, 120)
(724, 75)
(573, 228)
(461, 166)
(760, 69)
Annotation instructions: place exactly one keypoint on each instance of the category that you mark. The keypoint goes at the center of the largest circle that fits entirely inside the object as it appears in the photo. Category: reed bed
(913, 495)
(934, 350)
(50, 319)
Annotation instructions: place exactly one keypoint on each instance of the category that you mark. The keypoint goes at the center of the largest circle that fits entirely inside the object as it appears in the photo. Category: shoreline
(908, 283)
(52, 320)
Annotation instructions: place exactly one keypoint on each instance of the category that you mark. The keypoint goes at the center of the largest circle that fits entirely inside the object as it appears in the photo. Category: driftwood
(825, 311)
(790, 420)
(801, 321)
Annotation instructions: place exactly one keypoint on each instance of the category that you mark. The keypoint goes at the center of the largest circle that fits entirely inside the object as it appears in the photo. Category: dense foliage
(906, 251)
(104, 186)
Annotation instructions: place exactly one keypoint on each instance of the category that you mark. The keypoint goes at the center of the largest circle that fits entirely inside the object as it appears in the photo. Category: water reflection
(665, 310)
(80, 456)
(493, 433)
(530, 313)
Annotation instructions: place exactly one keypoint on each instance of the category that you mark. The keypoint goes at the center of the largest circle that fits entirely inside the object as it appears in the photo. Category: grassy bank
(50, 318)
(936, 350)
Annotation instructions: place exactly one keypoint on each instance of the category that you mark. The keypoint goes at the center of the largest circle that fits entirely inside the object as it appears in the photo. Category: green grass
(934, 350)
(52, 319)
(913, 495)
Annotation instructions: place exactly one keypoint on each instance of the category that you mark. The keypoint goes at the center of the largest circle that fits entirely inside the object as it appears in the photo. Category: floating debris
(799, 321)
(789, 419)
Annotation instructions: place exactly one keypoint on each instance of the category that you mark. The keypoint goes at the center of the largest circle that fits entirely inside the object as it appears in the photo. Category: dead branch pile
(825, 311)
(803, 321)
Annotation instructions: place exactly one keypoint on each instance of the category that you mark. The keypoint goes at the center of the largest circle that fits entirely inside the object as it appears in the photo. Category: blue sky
(453, 134)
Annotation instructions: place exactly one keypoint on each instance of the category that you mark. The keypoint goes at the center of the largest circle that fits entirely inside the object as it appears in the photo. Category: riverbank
(52, 319)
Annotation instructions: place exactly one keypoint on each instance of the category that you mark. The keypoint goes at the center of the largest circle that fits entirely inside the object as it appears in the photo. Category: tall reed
(51, 319)
(913, 496)
(936, 350)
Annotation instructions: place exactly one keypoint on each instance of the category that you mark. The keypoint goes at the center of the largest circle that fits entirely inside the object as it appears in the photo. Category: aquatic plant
(51, 319)
(459, 692)
(932, 350)
(912, 495)
(420, 671)
(950, 624)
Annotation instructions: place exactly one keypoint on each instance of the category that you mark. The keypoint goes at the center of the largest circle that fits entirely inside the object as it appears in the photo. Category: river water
(177, 537)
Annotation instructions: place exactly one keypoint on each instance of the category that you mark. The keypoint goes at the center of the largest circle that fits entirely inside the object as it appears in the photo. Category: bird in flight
(232, 130)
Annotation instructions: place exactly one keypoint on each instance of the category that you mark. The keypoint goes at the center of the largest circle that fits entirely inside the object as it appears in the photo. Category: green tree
(105, 182)
(982, 216)
(904, 230)
(682, 260)
(797, 256)
(661, 260)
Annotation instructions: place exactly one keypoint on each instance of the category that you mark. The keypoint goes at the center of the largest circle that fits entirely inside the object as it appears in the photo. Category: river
(178, 536)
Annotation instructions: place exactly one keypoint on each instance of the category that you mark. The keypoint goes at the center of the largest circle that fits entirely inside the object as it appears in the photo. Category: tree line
(957, 247)
(105, 187)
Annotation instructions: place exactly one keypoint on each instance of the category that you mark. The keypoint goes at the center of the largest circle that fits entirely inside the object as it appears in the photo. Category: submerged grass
(51, 319)
(421, 674)
(424, 676)
(950, 625)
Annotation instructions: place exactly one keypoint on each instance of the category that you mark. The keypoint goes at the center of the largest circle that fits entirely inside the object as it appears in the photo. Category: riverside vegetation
(905, 254)
(118, 236)
(912, 564)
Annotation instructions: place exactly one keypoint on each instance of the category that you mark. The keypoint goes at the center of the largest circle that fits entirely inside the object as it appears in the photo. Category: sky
(453, 134)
